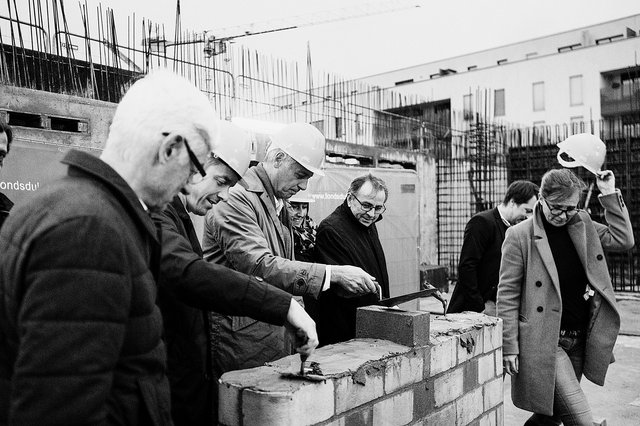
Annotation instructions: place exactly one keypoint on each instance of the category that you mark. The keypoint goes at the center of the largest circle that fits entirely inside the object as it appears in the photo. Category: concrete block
(493, 337)
(444, 417)
(423, 399)
(470, 345)
(403, 370)
(444, 352)
(469, 406)
(362, 417)
(470, 373)
(486, 367)
(498, 356)
(396, 410)
(229, 398)
(436, 275)
(448, 387)
(500, 415)
(488, 419)
(283, 408)
(493, 393)
(364, 386)
(409, 328)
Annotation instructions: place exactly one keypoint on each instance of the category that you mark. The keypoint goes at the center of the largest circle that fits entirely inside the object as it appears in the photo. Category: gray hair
(376, 183)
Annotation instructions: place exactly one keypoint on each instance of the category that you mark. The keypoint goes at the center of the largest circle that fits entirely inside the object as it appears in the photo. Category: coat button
(599, 257)
(540, 309)
(538, 284)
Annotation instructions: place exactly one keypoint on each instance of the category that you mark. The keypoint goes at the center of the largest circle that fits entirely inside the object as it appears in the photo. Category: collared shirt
(505, 221)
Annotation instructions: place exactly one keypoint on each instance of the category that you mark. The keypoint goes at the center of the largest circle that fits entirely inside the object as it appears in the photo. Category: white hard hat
(234, 147)
(302, 197)
(586, 150)
(304, 143)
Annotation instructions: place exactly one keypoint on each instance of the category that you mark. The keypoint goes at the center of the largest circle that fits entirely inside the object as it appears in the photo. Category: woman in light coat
(556, 299)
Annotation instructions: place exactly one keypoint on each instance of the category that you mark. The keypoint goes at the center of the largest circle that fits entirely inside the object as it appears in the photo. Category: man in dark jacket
(191, 286)
(6, 136)
(80, 333)
(479, 265)
(349, 236)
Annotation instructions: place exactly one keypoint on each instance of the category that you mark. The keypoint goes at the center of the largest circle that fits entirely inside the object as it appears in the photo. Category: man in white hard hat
(252, 233)
(190, 286)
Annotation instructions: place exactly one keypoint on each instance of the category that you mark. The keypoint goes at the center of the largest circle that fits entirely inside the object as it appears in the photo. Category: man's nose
(303, 185)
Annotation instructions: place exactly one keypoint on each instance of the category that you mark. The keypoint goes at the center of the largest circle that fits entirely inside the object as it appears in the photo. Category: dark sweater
(573, 280)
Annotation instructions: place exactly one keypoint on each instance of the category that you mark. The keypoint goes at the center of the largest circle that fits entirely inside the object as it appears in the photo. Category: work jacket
(189, 287)
(246, 234)
(80, 332)
(530, 304)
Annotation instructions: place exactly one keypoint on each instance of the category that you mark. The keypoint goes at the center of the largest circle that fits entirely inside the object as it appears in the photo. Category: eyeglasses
(195, 176)
(556, 211)
(367, 207)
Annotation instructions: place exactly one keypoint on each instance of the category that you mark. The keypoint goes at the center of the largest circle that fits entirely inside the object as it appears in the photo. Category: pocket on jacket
(238, 323)
(522, 318)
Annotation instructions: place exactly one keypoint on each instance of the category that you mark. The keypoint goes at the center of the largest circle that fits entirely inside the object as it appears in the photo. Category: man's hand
(303, 327)
(510, 364)
(352, 281)
(606, 182)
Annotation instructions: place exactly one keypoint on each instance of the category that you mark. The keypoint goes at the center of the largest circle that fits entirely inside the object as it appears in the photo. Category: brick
(443, 354)
(444, 417)
(403, 370)
(470, 345)
(469, 406)
(500, 415)
(409, 328)
(470, 373)
(287, 408)
(448, 387)
(396, 410)
(488, 419)
(493, 393)
(364, 386)
(423, 399)
(493, 337)
(486, 367)
(363, 417)
(498, 355)
(229, 404)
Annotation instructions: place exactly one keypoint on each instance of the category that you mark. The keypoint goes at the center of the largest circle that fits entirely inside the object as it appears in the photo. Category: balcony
(613, 102)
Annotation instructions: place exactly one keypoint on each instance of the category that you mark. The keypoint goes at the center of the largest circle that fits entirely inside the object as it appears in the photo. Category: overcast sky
(369, 45)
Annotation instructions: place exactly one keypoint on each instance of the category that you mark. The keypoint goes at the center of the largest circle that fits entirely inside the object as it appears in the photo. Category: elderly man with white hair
(80, 332)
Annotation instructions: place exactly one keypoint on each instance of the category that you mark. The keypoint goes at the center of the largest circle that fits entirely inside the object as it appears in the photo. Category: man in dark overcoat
(479, 265)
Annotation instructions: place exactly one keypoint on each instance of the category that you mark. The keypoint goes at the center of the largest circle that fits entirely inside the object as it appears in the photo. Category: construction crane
(216, 40)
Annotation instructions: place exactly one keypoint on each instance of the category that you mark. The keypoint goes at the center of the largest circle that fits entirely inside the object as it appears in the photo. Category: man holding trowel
(349, 236)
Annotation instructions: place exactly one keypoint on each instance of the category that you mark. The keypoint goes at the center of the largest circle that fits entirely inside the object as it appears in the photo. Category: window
(467, 102)
(569, 47)
(575, 90)
(577, 125)
(400, 83)
(501, 61)
(531, 55)
(471, 67)
(538, 96)
(498, 106)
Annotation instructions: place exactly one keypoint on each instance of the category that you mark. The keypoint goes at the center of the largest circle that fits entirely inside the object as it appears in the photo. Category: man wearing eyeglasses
(80, 332)
(349, 236)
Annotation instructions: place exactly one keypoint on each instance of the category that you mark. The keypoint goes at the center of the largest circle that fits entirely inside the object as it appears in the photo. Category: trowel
(311, 373)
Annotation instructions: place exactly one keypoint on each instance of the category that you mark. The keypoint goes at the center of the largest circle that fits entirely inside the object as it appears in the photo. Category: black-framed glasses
(367, 207)
(556, 211)
(194, 178)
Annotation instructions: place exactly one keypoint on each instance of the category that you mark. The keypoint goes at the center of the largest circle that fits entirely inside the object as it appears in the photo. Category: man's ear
(279, 159)
(169, 147)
